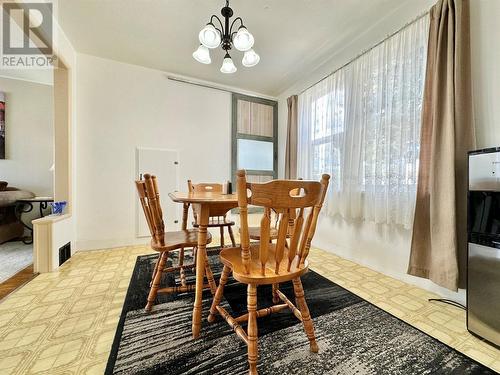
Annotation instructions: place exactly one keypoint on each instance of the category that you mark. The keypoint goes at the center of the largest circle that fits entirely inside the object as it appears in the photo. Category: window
(323, 115)
(255, 137)
(362, 126)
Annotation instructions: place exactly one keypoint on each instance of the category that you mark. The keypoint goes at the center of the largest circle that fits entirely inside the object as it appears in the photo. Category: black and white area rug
(354, 336)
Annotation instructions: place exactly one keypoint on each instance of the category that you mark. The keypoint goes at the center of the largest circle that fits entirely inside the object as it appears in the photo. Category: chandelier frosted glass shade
(202, 54)
(250, 58)
(228, 66)
(243, 40)
(209, 36)
(228, 34)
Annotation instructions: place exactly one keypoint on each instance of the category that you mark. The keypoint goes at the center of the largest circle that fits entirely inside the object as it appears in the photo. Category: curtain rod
(369, 49)
(183, 80)
(217, 87)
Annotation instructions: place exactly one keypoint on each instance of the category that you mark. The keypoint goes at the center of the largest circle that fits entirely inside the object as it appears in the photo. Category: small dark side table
(26, 205)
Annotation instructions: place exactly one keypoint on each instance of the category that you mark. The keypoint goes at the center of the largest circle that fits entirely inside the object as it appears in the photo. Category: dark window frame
(235, 136)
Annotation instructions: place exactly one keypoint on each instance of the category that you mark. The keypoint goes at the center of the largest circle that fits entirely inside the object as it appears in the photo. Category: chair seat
(231, 257)
(254, 233)
(214, 222)
(178, 239)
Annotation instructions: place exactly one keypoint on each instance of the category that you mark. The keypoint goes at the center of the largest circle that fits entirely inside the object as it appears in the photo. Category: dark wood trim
(16, 281)
(275, 133)
(252, 137)
(234, 138)
(257, 172)
(255, 99)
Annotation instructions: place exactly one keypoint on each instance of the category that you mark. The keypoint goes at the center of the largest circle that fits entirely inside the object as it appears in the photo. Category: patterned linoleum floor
(64, 322)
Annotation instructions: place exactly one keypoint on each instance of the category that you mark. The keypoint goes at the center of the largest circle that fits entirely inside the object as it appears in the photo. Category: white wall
(64, 231)
(485, 34)
(121, 107)
(381, 247)
(29, 136)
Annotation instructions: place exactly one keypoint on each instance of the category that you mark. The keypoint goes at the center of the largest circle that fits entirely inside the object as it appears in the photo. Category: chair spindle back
(204, 187)
(298, 204)
(150, 200)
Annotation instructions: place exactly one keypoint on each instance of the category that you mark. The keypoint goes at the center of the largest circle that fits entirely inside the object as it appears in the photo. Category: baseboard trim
(89, 245)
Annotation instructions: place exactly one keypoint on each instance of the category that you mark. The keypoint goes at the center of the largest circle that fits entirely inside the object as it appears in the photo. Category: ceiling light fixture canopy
(212, 37)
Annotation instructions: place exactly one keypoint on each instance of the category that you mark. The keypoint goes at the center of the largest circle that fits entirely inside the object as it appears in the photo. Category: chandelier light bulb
(202, 54)
(243, 40)
(250, 58)
(209, 36)
(228, 65)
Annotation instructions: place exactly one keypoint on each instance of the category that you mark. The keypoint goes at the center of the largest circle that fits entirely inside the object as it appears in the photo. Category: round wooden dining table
(205, 204)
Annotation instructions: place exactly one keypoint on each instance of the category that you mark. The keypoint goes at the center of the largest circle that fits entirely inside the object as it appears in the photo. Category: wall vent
(64, 253)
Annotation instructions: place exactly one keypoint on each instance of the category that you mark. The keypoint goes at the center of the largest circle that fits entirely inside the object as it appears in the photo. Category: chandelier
(212, 37)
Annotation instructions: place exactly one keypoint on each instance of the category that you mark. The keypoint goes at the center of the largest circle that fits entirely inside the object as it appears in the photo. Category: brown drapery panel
(439, 243)
(291, 138)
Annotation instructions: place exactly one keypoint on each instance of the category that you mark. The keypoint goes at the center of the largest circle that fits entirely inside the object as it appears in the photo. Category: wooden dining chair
(266, 263)
(166, 242)
(220, 222)
(254, 232)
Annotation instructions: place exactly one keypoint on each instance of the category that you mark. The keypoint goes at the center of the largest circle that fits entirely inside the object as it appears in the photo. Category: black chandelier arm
(220, 23)
(231, 28)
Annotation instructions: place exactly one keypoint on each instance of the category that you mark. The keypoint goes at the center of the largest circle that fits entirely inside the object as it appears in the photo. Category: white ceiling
(291, 36)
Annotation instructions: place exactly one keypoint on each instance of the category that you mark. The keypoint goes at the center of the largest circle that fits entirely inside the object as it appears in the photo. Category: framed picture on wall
(2, 125)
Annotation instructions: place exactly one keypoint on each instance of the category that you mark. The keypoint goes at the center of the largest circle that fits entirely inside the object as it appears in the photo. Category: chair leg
(221, 236)
(231, 234)
(252, 329)
(156, 281)
(276, 298)
(181, 256)
(219, 293)
(306, 316)
(181, 265)
(155, 270)
(195, 249)
(209, 275)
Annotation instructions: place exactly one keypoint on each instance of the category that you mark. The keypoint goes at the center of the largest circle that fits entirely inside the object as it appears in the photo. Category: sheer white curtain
(362, 126)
